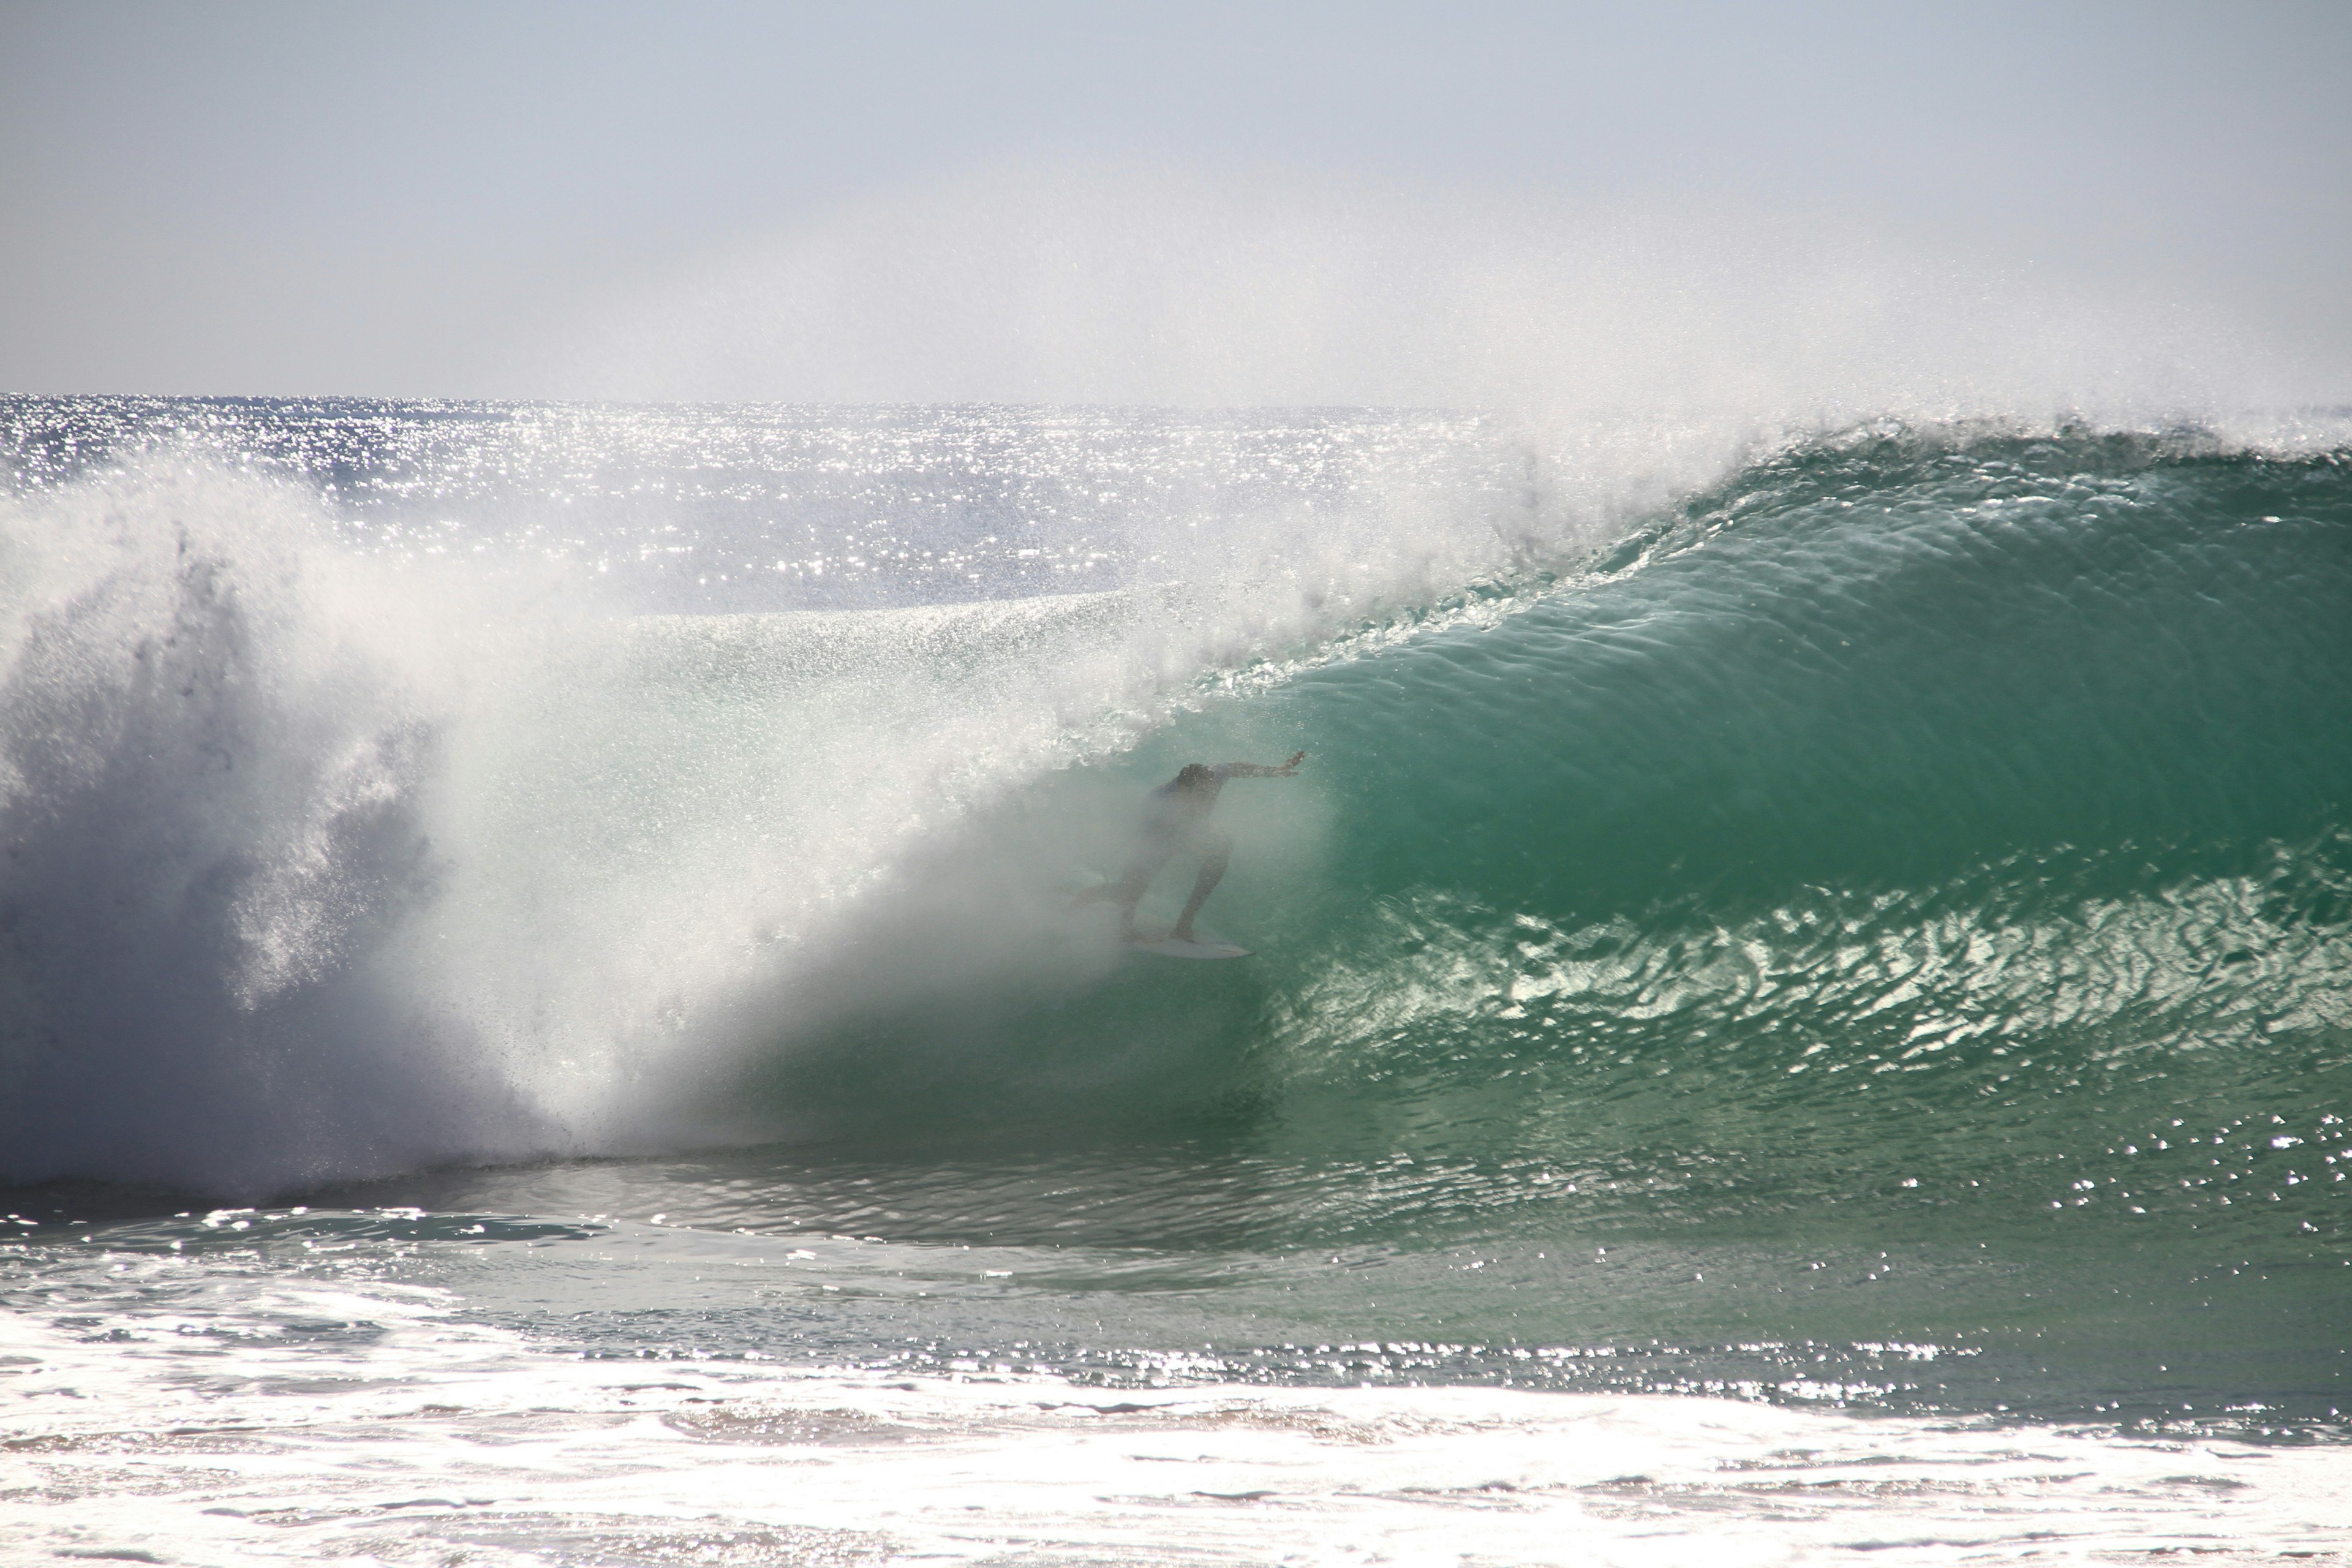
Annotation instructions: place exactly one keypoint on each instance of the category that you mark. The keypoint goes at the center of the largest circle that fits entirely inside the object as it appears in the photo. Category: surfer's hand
(1291, 766)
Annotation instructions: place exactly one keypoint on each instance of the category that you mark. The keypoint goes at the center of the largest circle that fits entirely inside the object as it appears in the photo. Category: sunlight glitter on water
(422, 1435)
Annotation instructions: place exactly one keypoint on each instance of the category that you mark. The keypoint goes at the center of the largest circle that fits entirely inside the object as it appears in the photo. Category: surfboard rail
(1205, 943)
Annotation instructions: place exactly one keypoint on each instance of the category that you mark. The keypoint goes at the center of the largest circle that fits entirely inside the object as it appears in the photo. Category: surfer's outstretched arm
(1260, 770)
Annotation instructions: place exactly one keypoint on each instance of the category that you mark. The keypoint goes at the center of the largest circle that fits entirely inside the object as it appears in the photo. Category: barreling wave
(1915, 800)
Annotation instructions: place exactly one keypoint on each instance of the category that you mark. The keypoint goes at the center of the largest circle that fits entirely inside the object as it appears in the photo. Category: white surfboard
(1205, 943)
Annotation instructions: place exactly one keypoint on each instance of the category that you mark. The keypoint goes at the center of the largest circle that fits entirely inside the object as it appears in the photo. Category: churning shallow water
(1799, 1001)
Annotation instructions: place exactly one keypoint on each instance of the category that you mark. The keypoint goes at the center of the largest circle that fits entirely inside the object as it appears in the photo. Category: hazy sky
(527, 199)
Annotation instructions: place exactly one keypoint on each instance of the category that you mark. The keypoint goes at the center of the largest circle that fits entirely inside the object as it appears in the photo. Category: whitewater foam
(229, 1426)
(345, 843)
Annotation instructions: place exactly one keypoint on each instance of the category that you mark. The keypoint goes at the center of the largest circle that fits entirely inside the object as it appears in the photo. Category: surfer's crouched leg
(1128, 891)
(1217, 849)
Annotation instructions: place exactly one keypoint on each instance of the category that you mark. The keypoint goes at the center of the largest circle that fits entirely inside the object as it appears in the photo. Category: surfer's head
(1195, 775)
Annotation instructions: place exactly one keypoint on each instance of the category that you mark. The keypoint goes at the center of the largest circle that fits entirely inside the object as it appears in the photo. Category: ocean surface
(1802, 1000)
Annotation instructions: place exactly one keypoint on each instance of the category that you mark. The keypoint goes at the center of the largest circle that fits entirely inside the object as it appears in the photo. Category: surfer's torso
(1178, 809)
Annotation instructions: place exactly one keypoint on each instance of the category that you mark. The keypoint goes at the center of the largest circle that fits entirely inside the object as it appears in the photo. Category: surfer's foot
(1181, 933)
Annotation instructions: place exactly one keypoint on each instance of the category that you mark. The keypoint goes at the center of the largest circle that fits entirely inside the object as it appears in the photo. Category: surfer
(1176, 817)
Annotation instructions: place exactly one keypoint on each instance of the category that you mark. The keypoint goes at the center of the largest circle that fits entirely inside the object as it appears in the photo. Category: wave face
(1904, 808)
(2018, 747)
(1899, 881)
